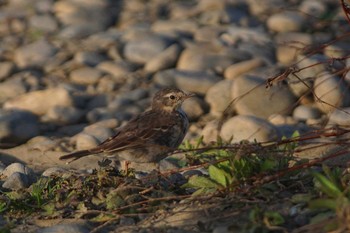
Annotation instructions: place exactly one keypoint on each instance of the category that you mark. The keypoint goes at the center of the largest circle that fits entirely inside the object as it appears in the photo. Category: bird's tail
(75, 155)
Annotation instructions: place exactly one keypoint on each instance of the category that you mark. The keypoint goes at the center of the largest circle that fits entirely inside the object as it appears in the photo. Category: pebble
(237, 69)
(89, 58)
(330, 92)
(314, 8)
(6, 68)
(287, 21)
(200, 59)
(191, 81)
(194, 108)
(85, 75)
(290, 45)
(17, 126)
(45, 23)
(85, 141)
(144, 48)
(250, 94)
(16, 181)
(210, 132)
(340, 116)
(303, 112)
(219, 97)
(39, 102)
(35, 54)
(55, 171)
(65, 228)
(248, 128)
(164, 60)
(119, 69)
(17, 168)
(63, 115)
(98, 131)
(12, 88)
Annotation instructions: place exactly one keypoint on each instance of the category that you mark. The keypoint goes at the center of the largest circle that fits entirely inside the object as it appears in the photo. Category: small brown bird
(150, 136)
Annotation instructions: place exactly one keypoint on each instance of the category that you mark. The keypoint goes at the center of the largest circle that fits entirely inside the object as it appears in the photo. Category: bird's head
(169, 99)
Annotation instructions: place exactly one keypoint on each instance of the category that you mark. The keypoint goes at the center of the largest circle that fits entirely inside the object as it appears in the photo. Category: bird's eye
(172, 97)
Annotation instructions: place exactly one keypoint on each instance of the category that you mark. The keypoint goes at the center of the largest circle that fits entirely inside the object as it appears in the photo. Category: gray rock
(330, 92)
(16, 181)
(66, 228)
(85, 141)
(286, 21)
(45, 23)
(175, 27)
(237, 69)
(304, 81)
(248, 128)
(313, 7)
(34, 55)
(194, 108)
(210, 131)
(192, 81)
(39, 102)
(252, 97)
(98, 131)
(63, 115)
(88, 58)
(143, 49)
(340, 116)
(11, 88)
(290, 45)
(17, 126)
(164, 60)
(219, 97)
(17, 168)
(44, 6)
(303, 112)
(119, 69)
(199, 59)
(6, 69)
(85, 75)
(55, 171)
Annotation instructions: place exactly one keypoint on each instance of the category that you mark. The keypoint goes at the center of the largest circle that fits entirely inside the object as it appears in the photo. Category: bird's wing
(142, 131)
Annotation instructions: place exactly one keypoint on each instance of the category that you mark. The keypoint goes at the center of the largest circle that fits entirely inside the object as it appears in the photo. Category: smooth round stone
(219, 97)
(55, 171)
(17, 168)
(65, 228)
(143, 49)
(11, 88)
(42, 143)
(175, 26)
(330, 92)
(17, 126)
(313, 7)
(208, 33)
(44, 23)
(194, 108)
(39, 102)
(191, 81)
(338, 49)
(85, 141)
(44, 6)
(63, 115)
(340, 116)
(6, 68)
(202, 59)
(85, 75)
(210, 131)
(134, 95)
(237, 69)
(89, 58)
(248, 128)
(287, 21)
(257, 9)
(302, 83)
(99, 132)
(164, 60)
(303, 112)
(290, 44)
(34, 55)
(118, 70)
(16, 181)
(253, 98)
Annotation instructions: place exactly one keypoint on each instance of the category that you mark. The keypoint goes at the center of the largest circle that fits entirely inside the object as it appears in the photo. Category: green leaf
(219, 175)
(326, 186)
(323, 203)
(274, 218)
(201, 182)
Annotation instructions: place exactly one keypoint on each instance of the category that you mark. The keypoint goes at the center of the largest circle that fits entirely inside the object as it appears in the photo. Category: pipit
(150, 136)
